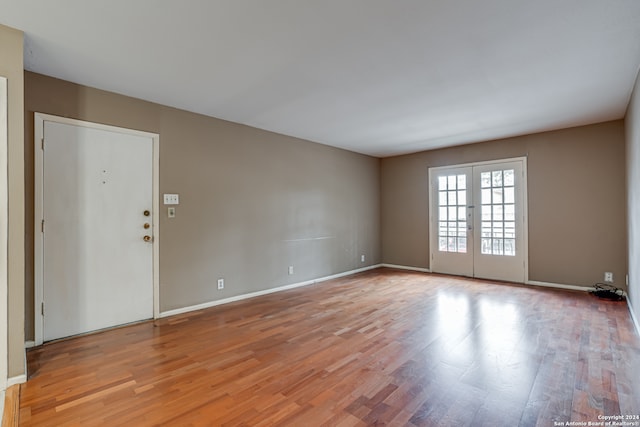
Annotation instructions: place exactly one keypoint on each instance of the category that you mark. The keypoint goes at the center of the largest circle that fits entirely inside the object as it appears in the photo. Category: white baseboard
(634, 319)
(559, 286)
(347, 273)
(29, 344)
(20, 379)
(528, 282)
(404, 267)
(263, 292)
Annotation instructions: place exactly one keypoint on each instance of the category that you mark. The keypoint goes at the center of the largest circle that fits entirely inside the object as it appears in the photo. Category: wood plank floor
(379, 348)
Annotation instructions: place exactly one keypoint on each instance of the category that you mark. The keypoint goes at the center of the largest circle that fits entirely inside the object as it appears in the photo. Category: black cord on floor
(608, 291)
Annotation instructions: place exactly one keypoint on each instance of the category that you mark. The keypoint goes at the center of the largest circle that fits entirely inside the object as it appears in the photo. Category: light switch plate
(171, 212)
(171, 199)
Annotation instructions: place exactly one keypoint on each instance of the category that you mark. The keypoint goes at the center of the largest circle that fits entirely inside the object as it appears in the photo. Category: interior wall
(576, 199)
(11, 66)
(252, 202)
(632, 123)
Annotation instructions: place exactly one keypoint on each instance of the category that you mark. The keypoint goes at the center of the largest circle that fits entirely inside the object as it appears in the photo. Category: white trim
(39, 120)
(20, 379)
(29, 344)
(155, 222)
(346, 273)
(525, 213)
(483, 163)
(559, 286)
(263, 292)
(4, 228)
(528, 282)
(404, 267)
(634, 319)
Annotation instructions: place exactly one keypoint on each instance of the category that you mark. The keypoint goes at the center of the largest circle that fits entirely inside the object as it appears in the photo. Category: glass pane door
(452, 221)
(477, 220)
(500, 250)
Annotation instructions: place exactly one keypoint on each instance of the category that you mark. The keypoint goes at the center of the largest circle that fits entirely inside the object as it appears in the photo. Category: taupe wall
(576, 189)
(251, 202)
(255, 202)
(11, 65)
(632, 122)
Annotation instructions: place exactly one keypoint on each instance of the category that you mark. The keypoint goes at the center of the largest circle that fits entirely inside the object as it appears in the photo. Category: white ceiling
(380, 77)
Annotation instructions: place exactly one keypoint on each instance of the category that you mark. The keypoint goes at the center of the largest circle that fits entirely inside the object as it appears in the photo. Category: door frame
(39, 121)
(433, 242)
(4, 239)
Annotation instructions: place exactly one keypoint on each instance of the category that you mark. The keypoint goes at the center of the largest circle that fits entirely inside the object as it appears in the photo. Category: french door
(478, 220)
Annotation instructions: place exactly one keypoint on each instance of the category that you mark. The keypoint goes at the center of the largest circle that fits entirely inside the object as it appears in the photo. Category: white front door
(97, 230)
(478, 220)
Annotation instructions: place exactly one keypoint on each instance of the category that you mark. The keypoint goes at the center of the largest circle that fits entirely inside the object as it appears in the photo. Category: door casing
(39, 121)
(4, 231)
(433, 237)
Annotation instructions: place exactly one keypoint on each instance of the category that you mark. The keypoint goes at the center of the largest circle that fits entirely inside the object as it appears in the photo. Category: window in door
(452, 213)
(498, 212)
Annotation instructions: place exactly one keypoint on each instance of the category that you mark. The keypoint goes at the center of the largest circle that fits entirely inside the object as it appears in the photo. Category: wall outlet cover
(171, 199)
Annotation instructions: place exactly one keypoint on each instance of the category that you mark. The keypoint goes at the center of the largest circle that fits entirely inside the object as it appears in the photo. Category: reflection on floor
(382, 347)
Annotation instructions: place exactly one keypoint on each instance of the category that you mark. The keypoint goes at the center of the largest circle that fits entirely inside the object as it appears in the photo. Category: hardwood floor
(378, 348)
(11, 408)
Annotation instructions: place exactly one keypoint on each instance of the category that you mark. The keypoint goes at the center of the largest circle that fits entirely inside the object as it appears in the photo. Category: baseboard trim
(634, 319)
(528, 282)
(263, 292)
(559, 286)
(405, 267)
(29, 344)
(347, 273)
(19, 379)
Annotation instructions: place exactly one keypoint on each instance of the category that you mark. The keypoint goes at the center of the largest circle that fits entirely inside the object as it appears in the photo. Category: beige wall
(254, 202)
(576, 189)
(251, 202)
(632, 122)
(11, 66)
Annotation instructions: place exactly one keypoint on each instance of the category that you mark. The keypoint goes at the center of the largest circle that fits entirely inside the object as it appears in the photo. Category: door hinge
(42, 226)
(42, 308)
(42, 143)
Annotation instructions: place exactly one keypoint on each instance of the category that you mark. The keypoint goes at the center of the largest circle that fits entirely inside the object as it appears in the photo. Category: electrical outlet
(608, 277)
(361, 258)
(291, 269)
(220, 284)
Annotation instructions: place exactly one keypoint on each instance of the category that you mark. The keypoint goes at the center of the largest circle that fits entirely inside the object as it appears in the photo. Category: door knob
(147, 238)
